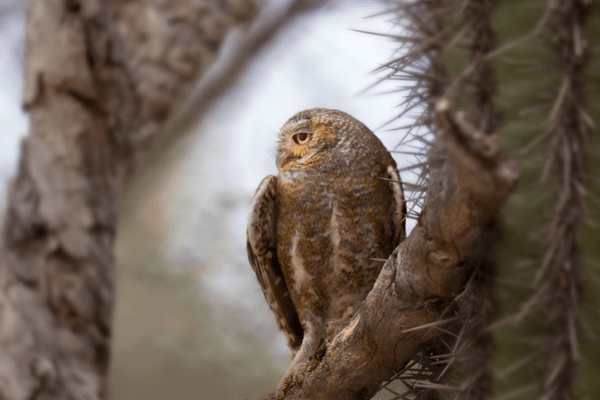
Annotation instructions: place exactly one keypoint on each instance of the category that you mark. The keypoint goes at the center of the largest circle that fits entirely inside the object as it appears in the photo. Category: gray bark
(101, 79)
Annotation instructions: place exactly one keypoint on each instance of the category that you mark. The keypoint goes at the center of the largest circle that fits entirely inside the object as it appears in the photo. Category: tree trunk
(101, 79)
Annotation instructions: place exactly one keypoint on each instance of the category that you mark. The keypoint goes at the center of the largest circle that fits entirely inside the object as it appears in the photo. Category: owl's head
(314, 137)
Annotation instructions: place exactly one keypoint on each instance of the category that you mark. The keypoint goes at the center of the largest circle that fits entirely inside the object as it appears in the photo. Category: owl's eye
(300, 137)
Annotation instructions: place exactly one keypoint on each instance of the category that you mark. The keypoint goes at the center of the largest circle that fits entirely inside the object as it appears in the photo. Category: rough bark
(415, 292)
(101, 79)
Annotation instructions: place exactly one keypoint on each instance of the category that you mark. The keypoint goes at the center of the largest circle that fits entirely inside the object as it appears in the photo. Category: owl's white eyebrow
(295, 126)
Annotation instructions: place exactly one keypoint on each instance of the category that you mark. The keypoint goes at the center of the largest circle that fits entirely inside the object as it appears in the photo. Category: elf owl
(318, 230)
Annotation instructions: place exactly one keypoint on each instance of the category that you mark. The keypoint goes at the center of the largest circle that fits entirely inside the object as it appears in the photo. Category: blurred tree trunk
(101, 79)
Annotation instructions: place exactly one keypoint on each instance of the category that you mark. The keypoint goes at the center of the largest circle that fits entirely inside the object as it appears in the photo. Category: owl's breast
(328, 230)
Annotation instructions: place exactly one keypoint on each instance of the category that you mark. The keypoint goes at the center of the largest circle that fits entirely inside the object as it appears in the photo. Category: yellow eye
(301, 137)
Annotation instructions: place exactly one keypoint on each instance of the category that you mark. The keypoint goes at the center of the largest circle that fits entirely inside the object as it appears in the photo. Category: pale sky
(14, 123)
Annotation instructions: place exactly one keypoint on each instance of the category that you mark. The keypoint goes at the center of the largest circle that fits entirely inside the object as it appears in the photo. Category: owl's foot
(300, 367)
(294, 377)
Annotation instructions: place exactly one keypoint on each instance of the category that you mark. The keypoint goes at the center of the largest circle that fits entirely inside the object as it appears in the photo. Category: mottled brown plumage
(314, 229)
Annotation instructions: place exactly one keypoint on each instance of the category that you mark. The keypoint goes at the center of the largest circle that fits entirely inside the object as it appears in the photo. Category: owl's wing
(400, 209)
(262, 253)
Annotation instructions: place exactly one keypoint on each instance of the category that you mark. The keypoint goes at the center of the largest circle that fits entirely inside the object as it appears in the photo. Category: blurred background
(190, 319)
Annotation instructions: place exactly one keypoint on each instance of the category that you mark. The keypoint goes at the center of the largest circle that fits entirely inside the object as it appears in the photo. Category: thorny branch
(436, 26)
(558, 278)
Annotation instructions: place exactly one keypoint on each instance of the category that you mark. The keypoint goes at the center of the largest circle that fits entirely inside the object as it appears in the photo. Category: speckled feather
(315, 228)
